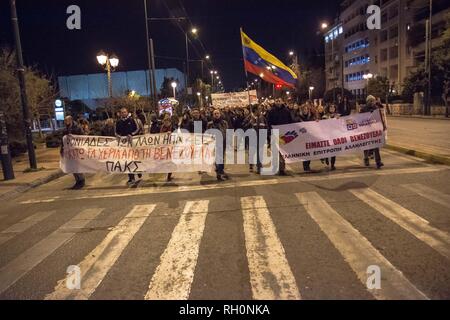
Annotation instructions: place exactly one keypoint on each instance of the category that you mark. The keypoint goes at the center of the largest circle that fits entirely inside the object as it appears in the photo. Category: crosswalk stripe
(99, 261)
(23, 225)
(174, 275)
(22, 264)
(162, 188)
(357, 251)
(408, 220)
(271, 276)
(429, 193)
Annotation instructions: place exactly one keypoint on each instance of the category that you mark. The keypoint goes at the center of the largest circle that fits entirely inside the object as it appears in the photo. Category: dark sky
(118, 26)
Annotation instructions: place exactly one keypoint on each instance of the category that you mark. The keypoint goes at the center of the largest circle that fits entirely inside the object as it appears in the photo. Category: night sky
(118, 26)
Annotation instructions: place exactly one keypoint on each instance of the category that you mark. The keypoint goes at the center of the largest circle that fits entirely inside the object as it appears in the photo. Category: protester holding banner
(371, 106)
(219, 124)
(72, 128)
(331, 113)
(126, 127)
(279, 115)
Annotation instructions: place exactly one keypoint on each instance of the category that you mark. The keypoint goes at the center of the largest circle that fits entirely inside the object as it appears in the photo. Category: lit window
(341, 30)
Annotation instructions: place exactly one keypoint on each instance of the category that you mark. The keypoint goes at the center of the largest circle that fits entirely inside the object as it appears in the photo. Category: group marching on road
(259, 116)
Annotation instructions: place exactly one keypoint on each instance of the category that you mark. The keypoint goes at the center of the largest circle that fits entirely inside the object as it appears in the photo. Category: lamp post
(367, 77)
(311, 89)
(174, 87)
(194, 31)
(199, 95)
(109, 63)
(23, 93)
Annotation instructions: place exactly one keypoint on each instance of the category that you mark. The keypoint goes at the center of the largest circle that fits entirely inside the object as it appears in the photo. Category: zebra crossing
(270, 269)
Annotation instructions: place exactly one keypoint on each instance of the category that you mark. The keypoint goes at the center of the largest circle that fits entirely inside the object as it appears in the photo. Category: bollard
(8, 172)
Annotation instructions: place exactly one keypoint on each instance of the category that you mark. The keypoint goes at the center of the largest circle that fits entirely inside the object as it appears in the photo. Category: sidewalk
(423, 137)
(48, 163)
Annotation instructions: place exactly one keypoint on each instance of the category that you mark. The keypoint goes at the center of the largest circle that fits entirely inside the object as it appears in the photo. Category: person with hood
(71, 127)
(154, 126)
(372, 105)
(126, 127)
(220, 124)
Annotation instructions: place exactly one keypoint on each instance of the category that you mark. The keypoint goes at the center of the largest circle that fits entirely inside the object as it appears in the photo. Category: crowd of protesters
(263, 116)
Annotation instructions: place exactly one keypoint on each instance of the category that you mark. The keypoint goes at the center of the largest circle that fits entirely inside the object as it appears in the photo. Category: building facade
(393, 51)
(93, 88)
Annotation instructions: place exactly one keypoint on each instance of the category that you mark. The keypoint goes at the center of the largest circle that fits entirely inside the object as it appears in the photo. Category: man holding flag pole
(260, 62)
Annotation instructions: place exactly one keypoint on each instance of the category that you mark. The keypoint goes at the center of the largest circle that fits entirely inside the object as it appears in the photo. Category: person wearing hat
(372, 104)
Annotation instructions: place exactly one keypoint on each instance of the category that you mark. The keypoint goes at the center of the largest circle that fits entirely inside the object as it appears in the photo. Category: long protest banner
(327, 138)
(233, 99)
(151, 153)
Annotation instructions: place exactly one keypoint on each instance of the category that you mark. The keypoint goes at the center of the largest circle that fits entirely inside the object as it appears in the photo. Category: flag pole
(258, 162)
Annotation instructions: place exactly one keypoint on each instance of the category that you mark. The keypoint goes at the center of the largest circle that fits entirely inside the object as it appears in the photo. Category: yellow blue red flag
(264, 64)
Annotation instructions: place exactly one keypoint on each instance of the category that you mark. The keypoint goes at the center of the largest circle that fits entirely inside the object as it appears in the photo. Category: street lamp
(324, 25)
(194, 31)
(109, 63)
(174, 86)
(311, 89)
(367, 77)
(207, 57)
(291, 53)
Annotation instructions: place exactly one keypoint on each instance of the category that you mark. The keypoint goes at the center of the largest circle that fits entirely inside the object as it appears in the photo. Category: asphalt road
(304, 236)
(427, 135)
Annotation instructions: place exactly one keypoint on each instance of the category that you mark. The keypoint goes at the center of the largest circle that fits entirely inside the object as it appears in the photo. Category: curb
(431, 158)
(36, 183)
(418, 117)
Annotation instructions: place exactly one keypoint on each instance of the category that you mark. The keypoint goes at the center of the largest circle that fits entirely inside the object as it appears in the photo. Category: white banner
(151, 153)
(332, 137)
(233, 99)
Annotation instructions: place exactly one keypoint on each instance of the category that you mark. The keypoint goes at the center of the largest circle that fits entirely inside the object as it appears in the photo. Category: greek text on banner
(328, 138)
(151, 153)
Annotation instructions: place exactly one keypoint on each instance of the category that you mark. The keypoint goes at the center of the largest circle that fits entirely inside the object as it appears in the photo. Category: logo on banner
(351, 124)
(288, 137)
(302, 130)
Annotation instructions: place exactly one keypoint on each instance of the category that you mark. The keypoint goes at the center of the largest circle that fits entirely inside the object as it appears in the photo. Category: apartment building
(394, 51)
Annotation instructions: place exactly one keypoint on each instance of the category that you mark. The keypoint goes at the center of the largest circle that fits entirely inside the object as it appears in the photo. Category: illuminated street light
(174, 86)
(207, 57)
(324, 25)
(311, 89)
(291, 53)
(194, 30)
(109, 63)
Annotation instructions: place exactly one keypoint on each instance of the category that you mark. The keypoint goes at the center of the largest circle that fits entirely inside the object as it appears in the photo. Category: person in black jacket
(195, 117)
(71, 127)
(220, 124)
(372, 105)
(126, 126)
(279, 115)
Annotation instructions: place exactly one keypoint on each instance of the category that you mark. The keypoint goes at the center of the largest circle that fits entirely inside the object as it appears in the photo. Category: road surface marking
(27, 260)
(407, 158)
(239, 184)
(357, 251)
(408, 220)
(99, 261)
(174, 275)
(429, 193)
(23, 225)
(271, 276)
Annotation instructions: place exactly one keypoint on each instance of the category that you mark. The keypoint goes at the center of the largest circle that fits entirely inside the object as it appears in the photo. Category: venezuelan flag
(262, 63)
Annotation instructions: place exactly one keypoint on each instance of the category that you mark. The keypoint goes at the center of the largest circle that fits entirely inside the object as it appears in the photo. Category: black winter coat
(127, 126)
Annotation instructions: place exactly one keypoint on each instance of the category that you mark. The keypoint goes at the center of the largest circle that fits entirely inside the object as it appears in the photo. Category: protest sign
(327, 138)
(151, 153)
(233, 99)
